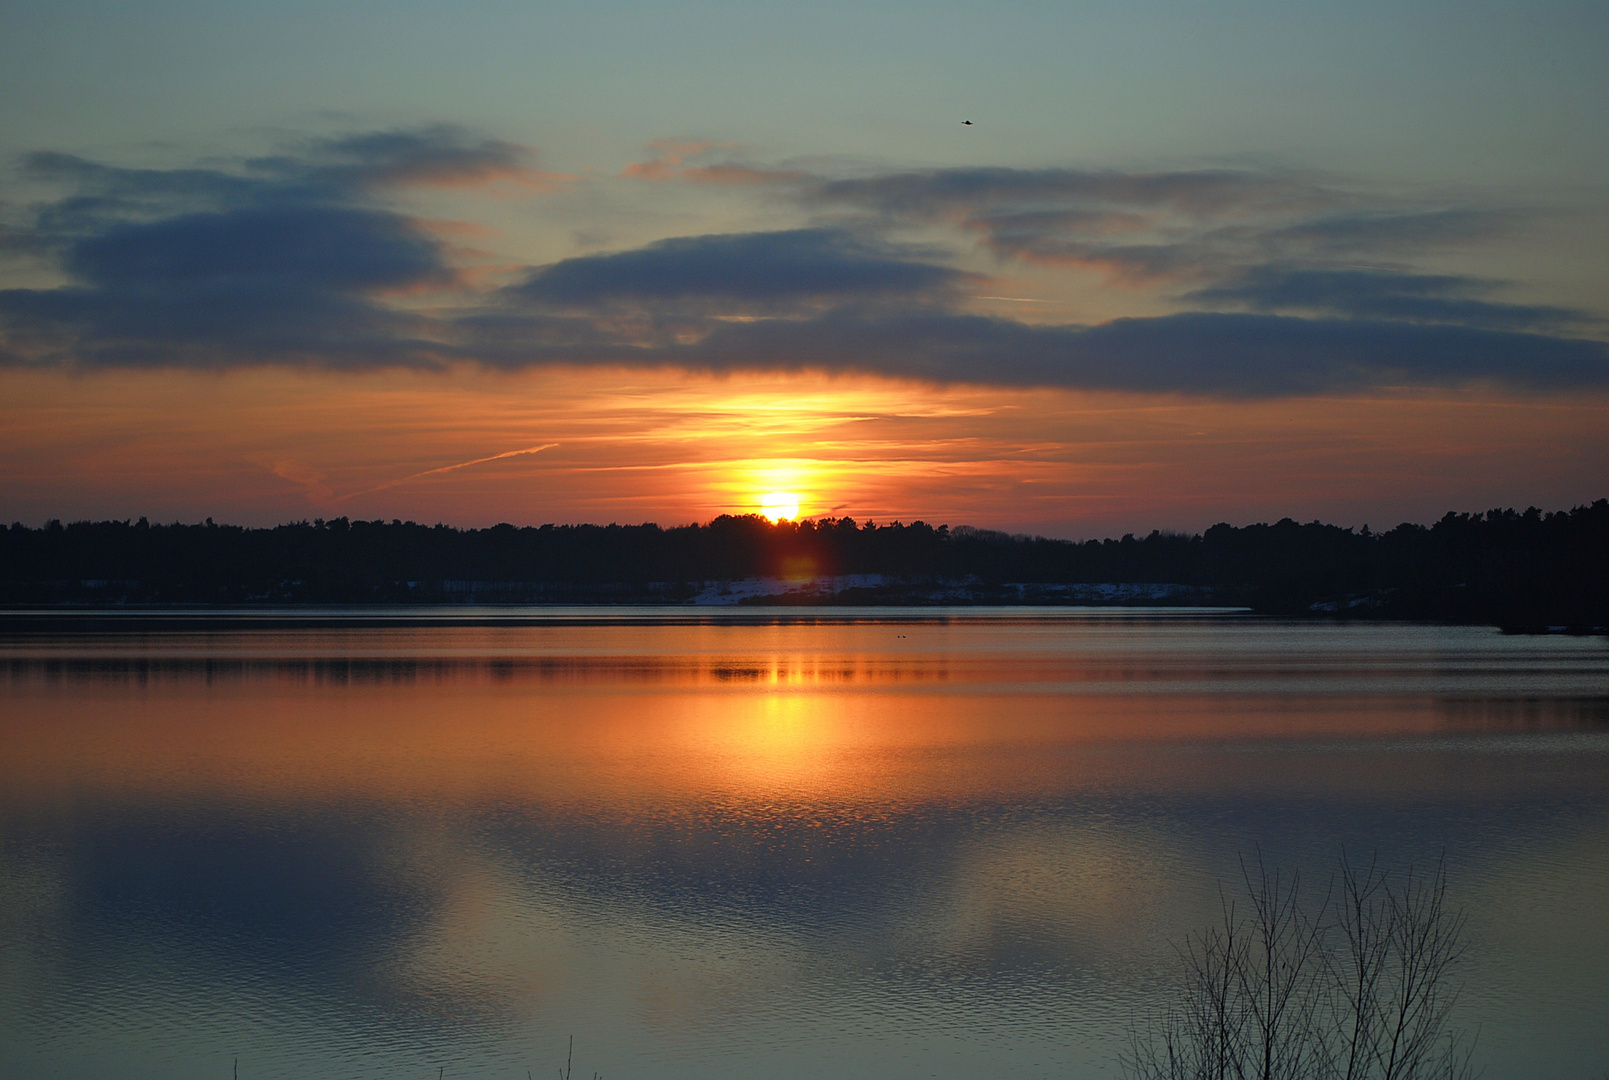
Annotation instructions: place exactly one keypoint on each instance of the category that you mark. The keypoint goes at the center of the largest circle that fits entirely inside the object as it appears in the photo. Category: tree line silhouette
(1522, 570)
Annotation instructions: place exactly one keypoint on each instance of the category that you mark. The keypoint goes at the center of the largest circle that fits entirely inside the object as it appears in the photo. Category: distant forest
(1520, 570)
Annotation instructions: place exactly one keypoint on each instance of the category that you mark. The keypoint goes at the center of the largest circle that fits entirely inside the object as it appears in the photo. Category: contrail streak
(1014, 299)
(449, 468)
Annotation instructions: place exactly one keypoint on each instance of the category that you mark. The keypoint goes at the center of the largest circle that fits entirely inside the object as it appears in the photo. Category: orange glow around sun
(266, 445)
(778, 505)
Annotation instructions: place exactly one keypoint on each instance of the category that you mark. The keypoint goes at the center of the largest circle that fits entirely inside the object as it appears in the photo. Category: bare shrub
(1359, 985)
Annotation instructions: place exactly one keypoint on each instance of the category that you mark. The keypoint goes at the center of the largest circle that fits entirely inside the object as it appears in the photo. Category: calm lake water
(878, 843)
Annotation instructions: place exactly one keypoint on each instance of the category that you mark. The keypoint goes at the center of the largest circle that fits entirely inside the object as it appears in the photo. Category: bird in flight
(966, 123)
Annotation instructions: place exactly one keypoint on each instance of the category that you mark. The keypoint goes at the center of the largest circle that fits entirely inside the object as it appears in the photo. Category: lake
(753, 843)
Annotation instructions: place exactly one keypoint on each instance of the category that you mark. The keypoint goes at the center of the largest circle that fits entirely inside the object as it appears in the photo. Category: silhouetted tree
(1360, 987)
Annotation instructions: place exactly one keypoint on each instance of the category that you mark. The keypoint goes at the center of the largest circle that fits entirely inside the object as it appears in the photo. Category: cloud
(1135, 229)
(740, 175)
(205, 328)
(670, 157)
(258, 283)
(1385, 294)
(667, 158)
(274, 249)
(938, 193)
(283, 259)
(764, 271)
(1376, 231)
(302, 258)
(1224, 355)
(1156, 228)
(436, 157)
(106, 195)
(340, 171)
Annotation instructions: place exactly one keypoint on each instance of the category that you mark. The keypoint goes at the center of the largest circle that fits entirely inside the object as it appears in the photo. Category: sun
(778, 505)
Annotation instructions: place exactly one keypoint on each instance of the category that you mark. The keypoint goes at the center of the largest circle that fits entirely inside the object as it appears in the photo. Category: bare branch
(1360, 985)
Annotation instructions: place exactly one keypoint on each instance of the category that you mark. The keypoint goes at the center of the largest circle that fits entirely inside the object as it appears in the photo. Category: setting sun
(779, 505)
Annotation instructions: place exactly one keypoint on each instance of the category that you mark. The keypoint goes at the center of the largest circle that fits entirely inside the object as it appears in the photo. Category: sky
(637, 262)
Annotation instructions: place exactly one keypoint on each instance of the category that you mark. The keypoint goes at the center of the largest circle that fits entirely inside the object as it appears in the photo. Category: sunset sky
(638, 262)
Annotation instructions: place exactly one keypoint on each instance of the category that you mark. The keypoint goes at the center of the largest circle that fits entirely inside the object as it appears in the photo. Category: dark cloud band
(1384, 294)
(1222, 355)
(297, 259)
(761, 270)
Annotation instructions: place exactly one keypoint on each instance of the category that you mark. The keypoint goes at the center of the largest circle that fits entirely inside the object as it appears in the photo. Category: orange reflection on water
(789, 734)
(650, 827)
(676, 710)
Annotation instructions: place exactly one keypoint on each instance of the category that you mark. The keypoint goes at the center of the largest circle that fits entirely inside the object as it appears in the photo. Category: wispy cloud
(693, 161)
(1159, 228)
(666, 157)
(436, 157)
